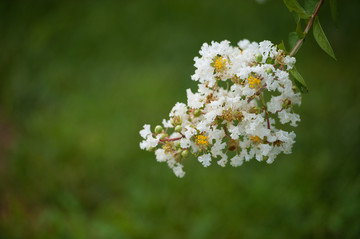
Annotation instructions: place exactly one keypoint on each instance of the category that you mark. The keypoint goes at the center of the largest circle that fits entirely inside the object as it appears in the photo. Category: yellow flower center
(201, 140)
(254, 82)
(255, 139)
(219, 63)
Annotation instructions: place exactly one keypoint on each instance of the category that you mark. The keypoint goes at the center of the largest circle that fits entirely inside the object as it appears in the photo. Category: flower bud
(185, 153)
(178, 157)
(268, 70)
(255, 110)
(177, 144)
(197, 112)
(158, 129)
(176, 120)
(178, 128)
(286, 104)
(162, 136)
(258, 58)
(269, 60)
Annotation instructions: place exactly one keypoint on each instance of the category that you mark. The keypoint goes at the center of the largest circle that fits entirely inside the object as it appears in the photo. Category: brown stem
(311, 21)
(226, 132)
(278, 111)
(173, 139)
(256, 93)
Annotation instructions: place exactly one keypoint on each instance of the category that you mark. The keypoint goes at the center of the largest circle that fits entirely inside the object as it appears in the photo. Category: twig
(256, 93)
(173, 139)
(311, 21)
(226, 133)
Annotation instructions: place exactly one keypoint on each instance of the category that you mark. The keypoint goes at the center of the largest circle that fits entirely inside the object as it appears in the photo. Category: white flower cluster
(243, 92)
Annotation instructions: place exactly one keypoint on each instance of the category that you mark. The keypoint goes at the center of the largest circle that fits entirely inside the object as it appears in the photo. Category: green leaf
(299, 31)
(294, 6)
(293, 39)
(321, 39)
(334, 11)
(281, 46)
(296, 16)
(310, 6)
(299, 80)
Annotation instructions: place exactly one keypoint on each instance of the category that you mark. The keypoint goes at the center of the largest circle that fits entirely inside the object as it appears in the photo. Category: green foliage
(294, 6)
(310, 6)
(299, 80)
(282, 46)
(293, 39)
(312, 9)
(299, 32)
(321, 38)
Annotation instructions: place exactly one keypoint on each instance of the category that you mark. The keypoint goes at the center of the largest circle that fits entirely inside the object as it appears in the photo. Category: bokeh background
(78, 80)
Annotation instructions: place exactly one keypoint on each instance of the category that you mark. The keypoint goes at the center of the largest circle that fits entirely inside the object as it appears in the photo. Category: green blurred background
(79, 79)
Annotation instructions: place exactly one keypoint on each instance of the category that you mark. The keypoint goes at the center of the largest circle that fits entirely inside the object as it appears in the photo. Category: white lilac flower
(228, 114)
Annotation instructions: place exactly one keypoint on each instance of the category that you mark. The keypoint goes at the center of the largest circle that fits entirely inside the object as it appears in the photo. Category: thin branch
(256, 93)
(311, 21)
(226, 132)
(173, 139)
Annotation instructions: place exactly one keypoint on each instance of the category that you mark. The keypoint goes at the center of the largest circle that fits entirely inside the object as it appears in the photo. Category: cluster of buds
(244, 95)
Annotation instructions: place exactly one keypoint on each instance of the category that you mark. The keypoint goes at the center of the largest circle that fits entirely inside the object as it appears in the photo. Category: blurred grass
(79, 80)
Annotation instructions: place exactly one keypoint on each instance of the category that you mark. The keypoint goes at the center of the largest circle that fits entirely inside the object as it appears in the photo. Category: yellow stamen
(254, 82)
(256, 139)
(219, 63)
(201, 140)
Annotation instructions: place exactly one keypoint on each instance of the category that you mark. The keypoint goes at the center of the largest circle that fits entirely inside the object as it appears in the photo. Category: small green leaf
(299, 31)
(299, 80)
(281, 46)
(293, 39)
(310, 6)
(296, 16)
(321, 39)
(294, 6)
(334, 11)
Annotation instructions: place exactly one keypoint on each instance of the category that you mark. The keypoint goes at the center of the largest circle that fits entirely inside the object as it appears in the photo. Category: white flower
(217, 148)
(167, 123)
(194, 100)
(146, 131)
(179, 110)
(243, 44)
(286, 117)
(290, 62)
(161, 156)
(190, 131)
(236, 161)
(205, 160)
(178, 170)
(223, 161)
(149, 142)
(242, 115)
